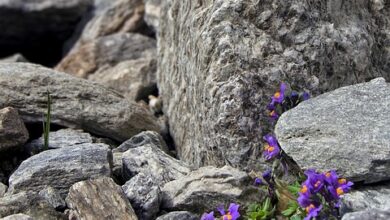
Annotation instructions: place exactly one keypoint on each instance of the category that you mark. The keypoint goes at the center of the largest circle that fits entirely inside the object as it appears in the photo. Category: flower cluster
(231, 214)
(271, 148)
(283, 100)
(327, 185)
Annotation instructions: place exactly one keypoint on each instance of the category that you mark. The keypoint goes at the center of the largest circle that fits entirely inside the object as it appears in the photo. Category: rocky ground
(158, 107)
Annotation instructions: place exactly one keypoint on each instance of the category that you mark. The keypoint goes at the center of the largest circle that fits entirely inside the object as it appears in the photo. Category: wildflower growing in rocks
(208, 216)
(312, 211)
(232, 213)
(271, 148)
(258, 181)
(267, 175)
(278, 97)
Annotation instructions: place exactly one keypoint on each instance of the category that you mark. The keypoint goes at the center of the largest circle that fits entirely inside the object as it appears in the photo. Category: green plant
(46, 123)
(262, 211)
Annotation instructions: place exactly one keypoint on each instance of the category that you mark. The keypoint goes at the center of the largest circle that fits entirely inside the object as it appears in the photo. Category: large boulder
(221, 60)
(13, 132)
(99, 199)
(76, 103)
(347, 130)
(376, 214)
(61, 168)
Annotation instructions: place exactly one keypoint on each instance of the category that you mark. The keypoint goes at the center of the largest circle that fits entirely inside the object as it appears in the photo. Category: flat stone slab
(347, 129)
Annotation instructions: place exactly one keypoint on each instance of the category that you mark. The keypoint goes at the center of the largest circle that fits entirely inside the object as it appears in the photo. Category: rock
(134, 79)
(152, 13)
(210, 187)
(76, 103)
(19, 216)
(179, 215)
(368, 214)
(59, 139)
(30, 24)
(13, 132)
(367, 197)
(29, 203)
(14, 58)
(221, 61)
(99, 199)
(3, 189)
(53, 198)
(105, 52)
(327, 131)
(149, 159)
(61, 168)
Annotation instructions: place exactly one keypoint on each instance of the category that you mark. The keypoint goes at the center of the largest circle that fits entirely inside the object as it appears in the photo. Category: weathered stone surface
(144, 195)
(367, 197)
(99, 199)
(152, 13)
(346, 130)
(105, 52)
(61, 168)
(53, 198)
(210, 187)
(19, 216)
(76, 103)
(13, 132)
(221, 60)
(29, 203)
(3, 189)
(179, 215)
(149, 159)
(134, 79)
(59, 139)
(376, 214)
(14, 58)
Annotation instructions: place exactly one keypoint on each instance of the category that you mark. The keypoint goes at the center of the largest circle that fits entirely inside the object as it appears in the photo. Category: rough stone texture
(144, 195)
(106, 52)
(367, 197)
(368, 214)
(210, 187)
(14, 58)
(221, 60)
(76, 103)
(53, 198)
(29, 203)
(19, 216)
(61, 168)
(3, 189)
(152, 13)
(13, 132)
(151, 160)
(134, 79)
(179, 215)
(59, 139)
(346, 130)
(99, 199)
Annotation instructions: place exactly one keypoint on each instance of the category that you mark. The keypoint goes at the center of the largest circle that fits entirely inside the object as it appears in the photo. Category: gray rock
(59, 139)
(210, 187)
(327, 131)
(76, 103)
(99, 199)
(61, 168)
(134, 79)
(152, 161)
(179, 215)
(53, 198)
(19, 216)
(14, 58)
(367, 197)
(3, 189)
(105, 52)
(13, 132)
(29, 203)
(374, 214)
(152, 13)
(144, 195)
(221, 61)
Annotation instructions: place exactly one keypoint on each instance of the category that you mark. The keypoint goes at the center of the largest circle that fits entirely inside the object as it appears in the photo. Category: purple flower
(208, 216)
(305, 96)
(278, 97)
(315, 181)
(267, 175)
(271, 149)
(312, 211)
(331, 178)
(304, 199)
(232, 213)
(258, 182)
(273, 115)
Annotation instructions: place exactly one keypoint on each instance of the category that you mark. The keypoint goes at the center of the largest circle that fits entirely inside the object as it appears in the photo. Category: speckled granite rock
(346, 130)
(19, 216)
(369, 214)
(221, 60)
(61, 168)
(3, 189)
(76, 103)
(14, 58)
(13, 132)
(179, 215)
(99, 199)
(152, 13)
